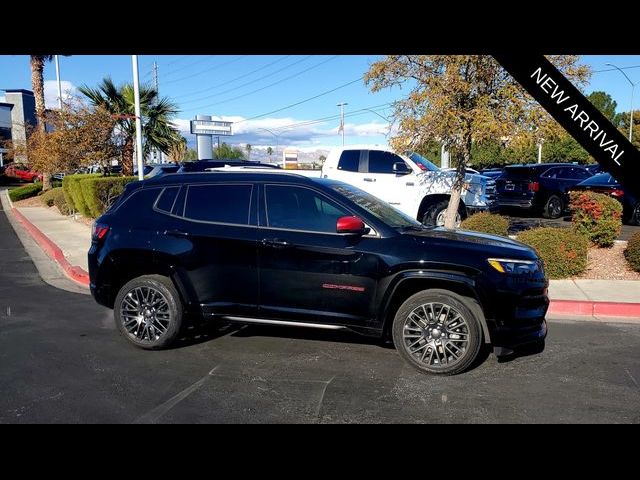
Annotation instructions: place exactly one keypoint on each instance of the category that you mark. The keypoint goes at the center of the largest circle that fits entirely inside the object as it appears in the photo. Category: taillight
(534, 186)
(99, 231)
(617, 193)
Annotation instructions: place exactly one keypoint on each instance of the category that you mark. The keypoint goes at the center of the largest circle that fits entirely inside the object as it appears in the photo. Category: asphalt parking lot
(61, 360)
(520, 220)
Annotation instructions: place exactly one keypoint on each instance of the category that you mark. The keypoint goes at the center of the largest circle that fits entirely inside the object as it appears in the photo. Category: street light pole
(341, 105)
(59, 83)
(272, 133)
(633, 86)
(136, 94)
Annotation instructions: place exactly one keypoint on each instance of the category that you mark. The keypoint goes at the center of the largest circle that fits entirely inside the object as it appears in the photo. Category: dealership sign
(577, 115)
(210, 127)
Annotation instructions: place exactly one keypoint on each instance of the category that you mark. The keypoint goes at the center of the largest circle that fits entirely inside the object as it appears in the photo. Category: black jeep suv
(278, 248)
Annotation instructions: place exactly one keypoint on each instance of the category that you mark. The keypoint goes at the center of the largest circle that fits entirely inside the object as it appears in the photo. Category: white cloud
(69, 90)
(291, 132)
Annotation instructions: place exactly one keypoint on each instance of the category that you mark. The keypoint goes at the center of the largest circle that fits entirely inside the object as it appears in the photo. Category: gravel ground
(29, 202)
(609, 264)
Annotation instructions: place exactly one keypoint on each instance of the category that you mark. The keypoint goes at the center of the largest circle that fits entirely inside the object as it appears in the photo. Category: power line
(248, 83)
(215, 67)
(303, 101)
(272, 84)
(189, 65)
(180, 59)
(613, 69)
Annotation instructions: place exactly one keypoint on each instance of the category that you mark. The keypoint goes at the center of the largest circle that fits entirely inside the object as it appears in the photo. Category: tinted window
(137, 205)
(300, 208)
(219, 203)
(554, 173)
(167, 197)
(580, 173)
(382, 162)
(349, 160)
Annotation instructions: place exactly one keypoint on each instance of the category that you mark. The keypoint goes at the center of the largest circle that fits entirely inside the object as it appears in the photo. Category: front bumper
(491, 208)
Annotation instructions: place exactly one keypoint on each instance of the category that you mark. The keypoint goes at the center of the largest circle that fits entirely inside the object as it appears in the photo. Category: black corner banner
(578, 116)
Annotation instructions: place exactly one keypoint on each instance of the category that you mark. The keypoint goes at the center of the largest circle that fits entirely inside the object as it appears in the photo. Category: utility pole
(59, 83)
(154, 73)
(342, 105)
(136, 94)
(540, 151)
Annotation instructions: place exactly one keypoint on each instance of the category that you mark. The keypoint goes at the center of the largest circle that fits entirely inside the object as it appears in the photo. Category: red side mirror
(351, 225)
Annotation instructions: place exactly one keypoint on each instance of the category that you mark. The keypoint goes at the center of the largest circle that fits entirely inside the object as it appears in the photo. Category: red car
(22, 172)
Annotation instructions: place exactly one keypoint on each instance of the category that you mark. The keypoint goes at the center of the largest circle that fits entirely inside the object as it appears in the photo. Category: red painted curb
(75, 273)
(603, 309)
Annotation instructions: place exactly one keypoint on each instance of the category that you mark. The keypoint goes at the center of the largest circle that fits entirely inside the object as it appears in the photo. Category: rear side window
(228, 203)
(349, 161)
(167, 198)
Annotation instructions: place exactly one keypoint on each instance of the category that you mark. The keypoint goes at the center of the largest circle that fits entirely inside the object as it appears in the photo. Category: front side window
(382, 162)
(299, 208)
(219, 203)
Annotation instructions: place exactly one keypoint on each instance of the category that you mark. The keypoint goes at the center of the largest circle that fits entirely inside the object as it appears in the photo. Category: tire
(420, 352)
(165, 310)
(634, 219)
(435, 210)
(554, 208)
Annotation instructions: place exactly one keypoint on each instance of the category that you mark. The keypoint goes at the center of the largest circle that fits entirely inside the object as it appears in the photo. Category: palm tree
(248, 148)
(157, 129)
(269, 152)
(178, 150)
(37, 84)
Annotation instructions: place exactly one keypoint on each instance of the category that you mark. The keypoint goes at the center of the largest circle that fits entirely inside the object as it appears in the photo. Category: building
(17, 113)
(290, 159)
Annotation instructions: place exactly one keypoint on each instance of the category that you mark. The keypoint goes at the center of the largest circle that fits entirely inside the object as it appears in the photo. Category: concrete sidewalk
(613, 298)
(72, 237)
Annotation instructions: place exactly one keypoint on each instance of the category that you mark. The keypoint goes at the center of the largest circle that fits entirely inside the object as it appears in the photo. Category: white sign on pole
(210, 127)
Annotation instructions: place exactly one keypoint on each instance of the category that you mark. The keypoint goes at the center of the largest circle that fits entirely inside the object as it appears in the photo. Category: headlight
(473, 188)
(506, 265)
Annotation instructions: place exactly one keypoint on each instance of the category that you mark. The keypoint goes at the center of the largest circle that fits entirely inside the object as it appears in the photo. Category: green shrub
(48, 196)
(61, 202)
(632, 252)
(563, 250)
(56, 197)
(597, 216)
(99, 193)
(27, 191)
(73, 192)
(486, 222)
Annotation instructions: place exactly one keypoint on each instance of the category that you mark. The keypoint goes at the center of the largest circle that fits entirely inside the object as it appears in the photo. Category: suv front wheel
(435, 213)
(148, 312)
(436, 332)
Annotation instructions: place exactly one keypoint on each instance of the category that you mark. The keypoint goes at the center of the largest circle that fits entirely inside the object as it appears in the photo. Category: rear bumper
(515, 203)
(491, 208)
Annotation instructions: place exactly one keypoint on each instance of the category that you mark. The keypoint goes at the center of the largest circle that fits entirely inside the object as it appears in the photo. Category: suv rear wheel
(553, 208)
(148, 312)
(436, 332)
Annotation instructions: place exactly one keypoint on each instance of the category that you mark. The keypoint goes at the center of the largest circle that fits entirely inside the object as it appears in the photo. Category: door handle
(176, 233)
(369, 179)
(276, 243)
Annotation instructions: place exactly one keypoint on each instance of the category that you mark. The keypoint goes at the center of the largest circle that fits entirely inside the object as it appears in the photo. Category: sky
(293, 96)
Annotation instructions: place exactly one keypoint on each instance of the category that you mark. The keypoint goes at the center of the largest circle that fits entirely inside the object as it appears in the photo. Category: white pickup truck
(410, 182)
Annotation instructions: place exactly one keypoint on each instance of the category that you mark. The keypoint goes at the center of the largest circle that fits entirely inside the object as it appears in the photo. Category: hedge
(56, 197)
(100, 192)
(73, 192)
(486, 222)
(632, 252)
(27, 191)
(597, 216)
(563, 250)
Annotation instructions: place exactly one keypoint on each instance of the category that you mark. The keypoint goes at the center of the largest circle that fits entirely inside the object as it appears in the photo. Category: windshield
(376, 207)
(422, 162)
